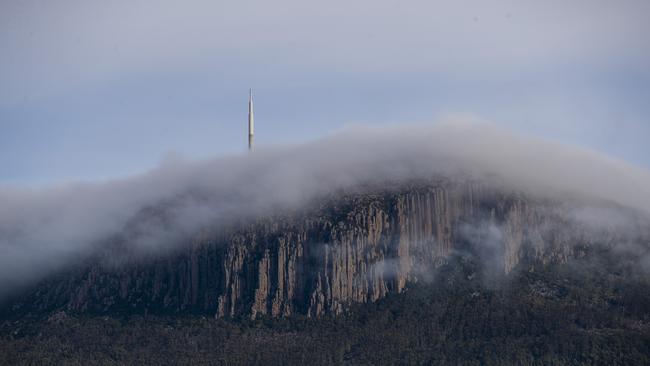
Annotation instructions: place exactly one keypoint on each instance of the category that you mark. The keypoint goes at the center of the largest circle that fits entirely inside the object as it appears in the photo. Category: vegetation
(593, 311)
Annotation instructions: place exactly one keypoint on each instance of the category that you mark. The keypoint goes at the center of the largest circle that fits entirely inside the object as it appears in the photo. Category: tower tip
(250, 119)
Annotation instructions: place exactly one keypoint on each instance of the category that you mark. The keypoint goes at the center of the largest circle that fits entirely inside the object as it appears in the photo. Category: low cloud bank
(41, 230)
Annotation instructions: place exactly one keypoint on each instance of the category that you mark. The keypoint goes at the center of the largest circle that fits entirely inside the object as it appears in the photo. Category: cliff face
(353, 249)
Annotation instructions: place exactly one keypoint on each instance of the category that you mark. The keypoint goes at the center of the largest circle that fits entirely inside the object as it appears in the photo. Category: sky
(96, 90)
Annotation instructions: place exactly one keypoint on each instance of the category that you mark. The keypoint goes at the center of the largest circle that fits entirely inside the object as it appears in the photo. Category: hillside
(589, 311)
(436, 271)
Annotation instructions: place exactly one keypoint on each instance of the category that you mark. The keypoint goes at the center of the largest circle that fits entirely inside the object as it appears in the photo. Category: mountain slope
(592, 310)
(353, 248)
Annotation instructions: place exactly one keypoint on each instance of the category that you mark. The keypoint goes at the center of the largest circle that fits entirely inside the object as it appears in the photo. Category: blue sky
(93, 90)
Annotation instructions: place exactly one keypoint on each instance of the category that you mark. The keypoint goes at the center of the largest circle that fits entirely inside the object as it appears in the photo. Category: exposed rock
(354, 249)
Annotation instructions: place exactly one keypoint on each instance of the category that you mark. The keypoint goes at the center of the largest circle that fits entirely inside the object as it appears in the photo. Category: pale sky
(99, 89)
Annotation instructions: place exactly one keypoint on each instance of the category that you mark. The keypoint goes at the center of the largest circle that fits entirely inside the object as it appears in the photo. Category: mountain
(452, 269)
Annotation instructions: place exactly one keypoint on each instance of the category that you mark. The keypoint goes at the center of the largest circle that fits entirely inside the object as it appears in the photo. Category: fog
(44, 229)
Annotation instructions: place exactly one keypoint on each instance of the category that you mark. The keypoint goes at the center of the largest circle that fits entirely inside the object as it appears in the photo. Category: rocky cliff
(354, 248)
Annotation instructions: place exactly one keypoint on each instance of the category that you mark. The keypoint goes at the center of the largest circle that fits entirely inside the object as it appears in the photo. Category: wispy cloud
(42, 229)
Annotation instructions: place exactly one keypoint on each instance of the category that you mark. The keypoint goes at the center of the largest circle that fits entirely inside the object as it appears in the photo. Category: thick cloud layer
(89, 41)
(43, 229)
(150, 75)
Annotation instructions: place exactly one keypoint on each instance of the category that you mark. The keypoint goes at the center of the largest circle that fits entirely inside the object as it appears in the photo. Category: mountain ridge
(354, 248)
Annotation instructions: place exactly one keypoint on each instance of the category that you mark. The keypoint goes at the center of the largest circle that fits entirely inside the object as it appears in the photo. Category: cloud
(43, 229)
(88, 42)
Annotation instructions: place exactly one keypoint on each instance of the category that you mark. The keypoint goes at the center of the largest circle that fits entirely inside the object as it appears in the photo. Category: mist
(44, 229)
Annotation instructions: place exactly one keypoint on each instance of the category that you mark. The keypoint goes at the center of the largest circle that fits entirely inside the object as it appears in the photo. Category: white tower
(250, 120)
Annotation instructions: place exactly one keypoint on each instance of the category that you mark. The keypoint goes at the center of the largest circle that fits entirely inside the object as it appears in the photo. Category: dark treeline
(593, 311)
